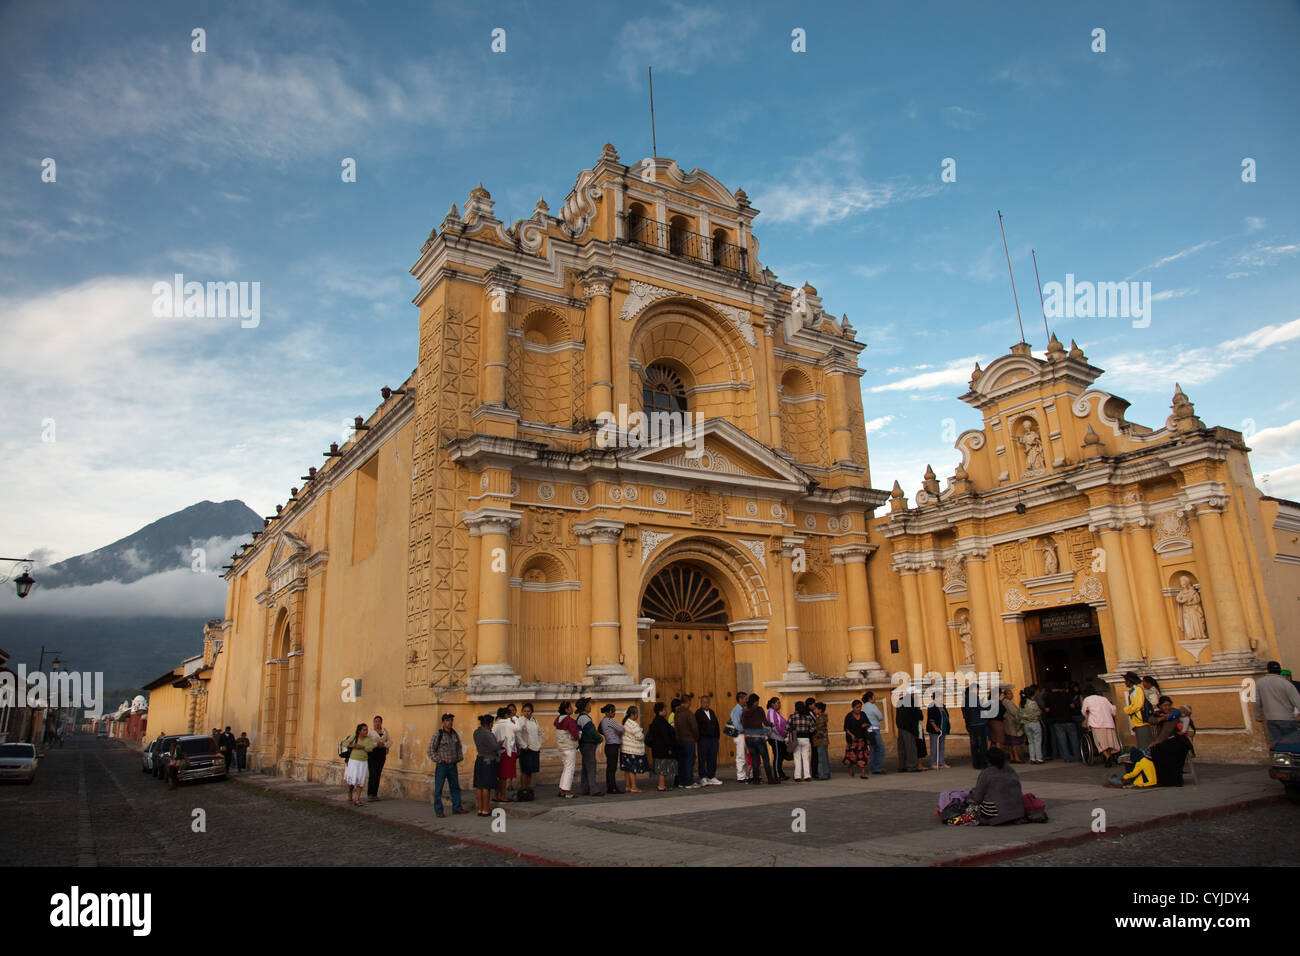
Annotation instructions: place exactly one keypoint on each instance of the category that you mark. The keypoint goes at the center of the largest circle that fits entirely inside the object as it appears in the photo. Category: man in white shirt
(738, 742)
(877, 741)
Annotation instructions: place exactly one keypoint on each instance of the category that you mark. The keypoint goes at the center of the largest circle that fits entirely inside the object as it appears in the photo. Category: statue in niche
(967, 642)
(1050, 562)
(1190, 611)
(1032, 445)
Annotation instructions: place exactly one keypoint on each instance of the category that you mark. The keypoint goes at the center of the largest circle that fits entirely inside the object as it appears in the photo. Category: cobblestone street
(92, 806)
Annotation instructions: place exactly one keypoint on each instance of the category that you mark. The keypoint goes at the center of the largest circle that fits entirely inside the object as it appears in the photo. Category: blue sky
(225, 165)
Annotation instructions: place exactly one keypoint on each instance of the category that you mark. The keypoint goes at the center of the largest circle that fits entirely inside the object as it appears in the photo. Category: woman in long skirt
(566, 742)
(357, 772)
(485, 764)
(857, 750)
(632, 757)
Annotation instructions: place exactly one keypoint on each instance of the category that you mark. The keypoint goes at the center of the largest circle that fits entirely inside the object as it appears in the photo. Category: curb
(533, 858)
(1053, 843)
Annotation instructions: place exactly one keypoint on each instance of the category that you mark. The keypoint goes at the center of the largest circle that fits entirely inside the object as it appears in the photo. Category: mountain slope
(163, 545)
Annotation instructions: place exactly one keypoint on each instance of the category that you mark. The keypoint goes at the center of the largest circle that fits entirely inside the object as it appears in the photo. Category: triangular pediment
(287, 547)
(721, 450)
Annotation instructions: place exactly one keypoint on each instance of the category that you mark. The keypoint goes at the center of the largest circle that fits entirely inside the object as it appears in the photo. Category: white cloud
(678, 40)
(827, 187)
(869, 272)
(960, 118)
(1277, 440)
(176, 593)
(956, 372)
(171, 105)
(1255, 223)
(1194, 366)
(876, 424)
(1264, 253)
(1281, 482)
(148, 414)
(1173, 294)
(1181, 254)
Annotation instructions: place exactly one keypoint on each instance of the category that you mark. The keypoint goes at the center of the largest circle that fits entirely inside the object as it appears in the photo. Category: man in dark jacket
(688, 735)
(706, 721)
(908, 716)
(226, 744)
(976, 728)
(1059, 714)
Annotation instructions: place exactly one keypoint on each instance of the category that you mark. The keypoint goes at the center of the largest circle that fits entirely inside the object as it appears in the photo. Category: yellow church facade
(630, 462)
(1074, 545)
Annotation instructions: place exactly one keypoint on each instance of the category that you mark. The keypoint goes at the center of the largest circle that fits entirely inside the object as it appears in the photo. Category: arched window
(663, 390)
(677, 235)
(719, 246)
(635, 222)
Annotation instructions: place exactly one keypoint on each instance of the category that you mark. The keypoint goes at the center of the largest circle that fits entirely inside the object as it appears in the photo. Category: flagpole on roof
(1013, 279)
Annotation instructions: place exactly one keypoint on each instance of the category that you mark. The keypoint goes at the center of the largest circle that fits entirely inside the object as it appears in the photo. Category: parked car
(161, 750)
(18, 762)
(194, 757)
(1284, 764)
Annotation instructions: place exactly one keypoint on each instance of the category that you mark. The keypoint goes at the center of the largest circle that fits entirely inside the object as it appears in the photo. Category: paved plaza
(93, 806)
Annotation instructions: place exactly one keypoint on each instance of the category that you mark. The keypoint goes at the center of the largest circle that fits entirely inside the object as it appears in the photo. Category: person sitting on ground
(1143, 773)
(1169, 753)
(997, 797)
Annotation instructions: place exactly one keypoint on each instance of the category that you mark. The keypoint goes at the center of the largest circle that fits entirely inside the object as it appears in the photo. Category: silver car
(18, 762)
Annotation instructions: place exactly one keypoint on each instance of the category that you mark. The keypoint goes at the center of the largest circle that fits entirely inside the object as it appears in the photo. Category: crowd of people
(676, 745)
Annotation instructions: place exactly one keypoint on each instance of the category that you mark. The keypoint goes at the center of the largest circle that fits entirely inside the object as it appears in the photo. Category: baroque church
(488, 536)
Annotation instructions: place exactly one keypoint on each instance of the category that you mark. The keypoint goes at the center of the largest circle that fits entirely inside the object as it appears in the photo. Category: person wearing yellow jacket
(1134, 698)
(1143, 774)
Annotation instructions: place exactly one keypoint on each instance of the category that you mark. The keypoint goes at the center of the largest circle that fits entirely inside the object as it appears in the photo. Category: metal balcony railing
(688, 245)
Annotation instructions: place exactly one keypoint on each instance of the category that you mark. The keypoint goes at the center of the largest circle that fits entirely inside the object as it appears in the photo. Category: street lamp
(24, 581)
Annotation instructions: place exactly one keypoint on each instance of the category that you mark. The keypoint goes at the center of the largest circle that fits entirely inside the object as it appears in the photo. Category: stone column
(499, 284)
(492, 527)
(936, 619)
(794, 669)
(981, 614)
(1160, 639)
(916, 645)
(597, 284)
(601, 535)
(841, 432)
(862, 635)
(1128, 648)
(1232, 635)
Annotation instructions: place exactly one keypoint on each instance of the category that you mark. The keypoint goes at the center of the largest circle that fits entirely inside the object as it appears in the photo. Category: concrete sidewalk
(884, 821)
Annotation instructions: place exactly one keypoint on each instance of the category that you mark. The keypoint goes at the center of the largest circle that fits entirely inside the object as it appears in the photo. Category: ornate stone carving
(1015, 599)
(1171, 524)
(642, 294)
(967, 640)
(756, 548)
(1080, 546)
(1031, 443)
(1051, 564)
(810, 522)
(580, 496)
(1191, 614)
(546, 491)
(630, 493)
(778, 512)
(615, 494)
(651, 540)
(707, 509)
(832, 524)
(660, 497)
(751, 509)
(954, 570)
(1010, 563)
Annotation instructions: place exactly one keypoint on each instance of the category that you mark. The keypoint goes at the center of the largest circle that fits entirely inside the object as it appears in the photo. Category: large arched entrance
(687, 646)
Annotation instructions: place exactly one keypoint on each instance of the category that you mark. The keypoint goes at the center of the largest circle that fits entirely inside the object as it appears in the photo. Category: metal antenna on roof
(1013, 279)
(654, 144)
(1034, 255)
